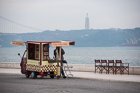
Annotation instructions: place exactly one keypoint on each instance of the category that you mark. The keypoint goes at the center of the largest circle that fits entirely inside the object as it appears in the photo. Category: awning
(53, 43)
(17, 43)
(59, 44)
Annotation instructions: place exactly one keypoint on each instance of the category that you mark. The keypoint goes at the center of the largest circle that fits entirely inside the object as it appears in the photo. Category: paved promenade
(89, 75)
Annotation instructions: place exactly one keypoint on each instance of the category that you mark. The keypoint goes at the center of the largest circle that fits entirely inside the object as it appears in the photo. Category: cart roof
(50, 42)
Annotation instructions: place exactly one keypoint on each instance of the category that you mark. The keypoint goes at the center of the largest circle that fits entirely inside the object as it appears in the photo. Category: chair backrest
(110, 61)
(118, 61)
(103, 61)
(97, 61)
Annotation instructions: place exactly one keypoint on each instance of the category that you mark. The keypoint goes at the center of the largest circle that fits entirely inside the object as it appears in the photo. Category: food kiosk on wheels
(36, 60)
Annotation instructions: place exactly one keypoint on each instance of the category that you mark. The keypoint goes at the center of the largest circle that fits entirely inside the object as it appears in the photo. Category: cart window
(37, 51)
(45, 51)
(31, 51)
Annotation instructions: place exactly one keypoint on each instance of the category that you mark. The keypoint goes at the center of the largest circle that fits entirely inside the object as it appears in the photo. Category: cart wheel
(58, 77)
(33, 75)
(51, 74)
(27, 76)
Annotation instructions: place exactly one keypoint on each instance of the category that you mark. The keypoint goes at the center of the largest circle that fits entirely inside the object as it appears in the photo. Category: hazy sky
(68, 14)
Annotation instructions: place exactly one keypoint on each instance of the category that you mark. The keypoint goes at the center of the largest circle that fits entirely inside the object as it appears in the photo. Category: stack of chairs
(111, 66)
(67, 70)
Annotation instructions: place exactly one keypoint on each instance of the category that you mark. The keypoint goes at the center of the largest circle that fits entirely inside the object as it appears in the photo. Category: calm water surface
(82, 55)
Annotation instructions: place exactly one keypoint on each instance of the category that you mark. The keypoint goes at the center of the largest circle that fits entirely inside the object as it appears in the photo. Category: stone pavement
(89, 75)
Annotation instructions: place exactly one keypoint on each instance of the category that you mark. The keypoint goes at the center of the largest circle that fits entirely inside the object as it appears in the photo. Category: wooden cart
(36, 60)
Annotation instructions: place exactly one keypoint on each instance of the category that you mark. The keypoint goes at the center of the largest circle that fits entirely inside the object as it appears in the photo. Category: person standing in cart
(56, 54)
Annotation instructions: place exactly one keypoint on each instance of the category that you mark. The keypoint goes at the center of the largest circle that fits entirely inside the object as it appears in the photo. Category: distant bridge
(9, 26)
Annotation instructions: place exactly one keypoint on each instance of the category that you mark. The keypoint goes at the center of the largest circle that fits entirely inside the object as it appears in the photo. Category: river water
(82, 55)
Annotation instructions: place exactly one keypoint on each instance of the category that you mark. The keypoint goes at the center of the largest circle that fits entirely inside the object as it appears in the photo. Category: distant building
(87, 22)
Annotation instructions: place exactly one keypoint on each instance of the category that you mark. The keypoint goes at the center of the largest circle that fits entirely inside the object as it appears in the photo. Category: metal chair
(111, 66)
(97, 66)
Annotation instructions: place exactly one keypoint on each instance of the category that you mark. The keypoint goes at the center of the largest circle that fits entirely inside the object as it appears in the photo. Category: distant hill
(83, 38)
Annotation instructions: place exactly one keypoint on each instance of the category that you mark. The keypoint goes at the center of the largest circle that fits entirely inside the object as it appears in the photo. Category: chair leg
(113, 70)
(106, 70)
(95, 69)
(128, 70)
